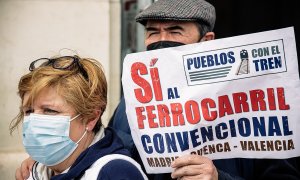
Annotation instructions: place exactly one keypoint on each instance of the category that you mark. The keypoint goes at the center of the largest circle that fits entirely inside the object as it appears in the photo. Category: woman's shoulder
(121, 167)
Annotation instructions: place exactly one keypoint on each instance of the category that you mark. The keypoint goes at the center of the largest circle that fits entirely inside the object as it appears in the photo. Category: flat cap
(180, 10)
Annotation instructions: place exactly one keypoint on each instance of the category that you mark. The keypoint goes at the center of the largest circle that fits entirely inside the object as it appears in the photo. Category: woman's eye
(50, 111)
(28, 111)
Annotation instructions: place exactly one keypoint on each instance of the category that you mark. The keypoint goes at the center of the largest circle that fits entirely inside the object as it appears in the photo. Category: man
(170, 23)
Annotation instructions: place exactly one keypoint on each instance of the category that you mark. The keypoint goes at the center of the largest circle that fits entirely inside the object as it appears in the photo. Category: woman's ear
(208, 36)
(92, 122)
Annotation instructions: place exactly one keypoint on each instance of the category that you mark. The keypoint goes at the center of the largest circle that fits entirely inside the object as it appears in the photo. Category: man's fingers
(194, 167)
(190, 160)
(191, 170)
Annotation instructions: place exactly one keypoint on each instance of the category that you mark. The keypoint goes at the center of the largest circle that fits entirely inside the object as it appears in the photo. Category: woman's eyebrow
(25, 107)
(50, 106)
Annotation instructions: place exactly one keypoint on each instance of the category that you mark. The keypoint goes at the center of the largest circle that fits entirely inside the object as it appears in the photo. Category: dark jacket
(115, 169)
(235, 168)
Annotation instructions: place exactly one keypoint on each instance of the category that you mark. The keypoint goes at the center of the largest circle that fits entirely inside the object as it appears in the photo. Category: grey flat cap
(180, 10)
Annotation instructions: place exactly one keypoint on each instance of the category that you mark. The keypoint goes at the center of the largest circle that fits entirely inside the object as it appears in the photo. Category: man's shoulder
(119, 120)
(119, 123)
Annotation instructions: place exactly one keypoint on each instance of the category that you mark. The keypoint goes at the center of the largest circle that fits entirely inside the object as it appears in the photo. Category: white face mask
(46, 138)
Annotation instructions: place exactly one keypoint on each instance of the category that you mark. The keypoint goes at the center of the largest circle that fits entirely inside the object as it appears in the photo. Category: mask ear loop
(75, 117)
(86, 129)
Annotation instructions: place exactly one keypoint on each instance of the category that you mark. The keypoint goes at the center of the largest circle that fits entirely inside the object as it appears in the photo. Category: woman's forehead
(47, 96)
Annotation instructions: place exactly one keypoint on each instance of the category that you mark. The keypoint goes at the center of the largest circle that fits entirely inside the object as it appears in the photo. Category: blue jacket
(235, 168)
(115, 169)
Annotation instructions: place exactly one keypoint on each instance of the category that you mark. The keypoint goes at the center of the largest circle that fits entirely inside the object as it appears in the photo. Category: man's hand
(23, 172)
(194, 167)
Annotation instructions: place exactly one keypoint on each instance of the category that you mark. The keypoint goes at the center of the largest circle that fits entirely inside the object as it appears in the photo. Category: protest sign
(226, 98)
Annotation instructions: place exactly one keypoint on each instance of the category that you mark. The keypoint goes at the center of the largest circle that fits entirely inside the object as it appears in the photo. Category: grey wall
(30, 29)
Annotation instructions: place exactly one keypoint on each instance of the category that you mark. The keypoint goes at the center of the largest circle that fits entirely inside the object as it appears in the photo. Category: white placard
(226, 98)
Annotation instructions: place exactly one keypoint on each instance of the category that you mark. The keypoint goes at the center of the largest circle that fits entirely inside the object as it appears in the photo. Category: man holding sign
(171, 23)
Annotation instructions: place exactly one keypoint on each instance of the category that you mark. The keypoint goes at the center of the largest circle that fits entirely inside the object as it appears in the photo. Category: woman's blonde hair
(85, 91)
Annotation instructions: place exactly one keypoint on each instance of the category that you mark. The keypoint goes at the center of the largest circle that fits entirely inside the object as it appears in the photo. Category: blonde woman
(63, 99)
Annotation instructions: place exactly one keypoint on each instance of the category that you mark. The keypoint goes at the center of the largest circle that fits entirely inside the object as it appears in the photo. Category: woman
(63, 99)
